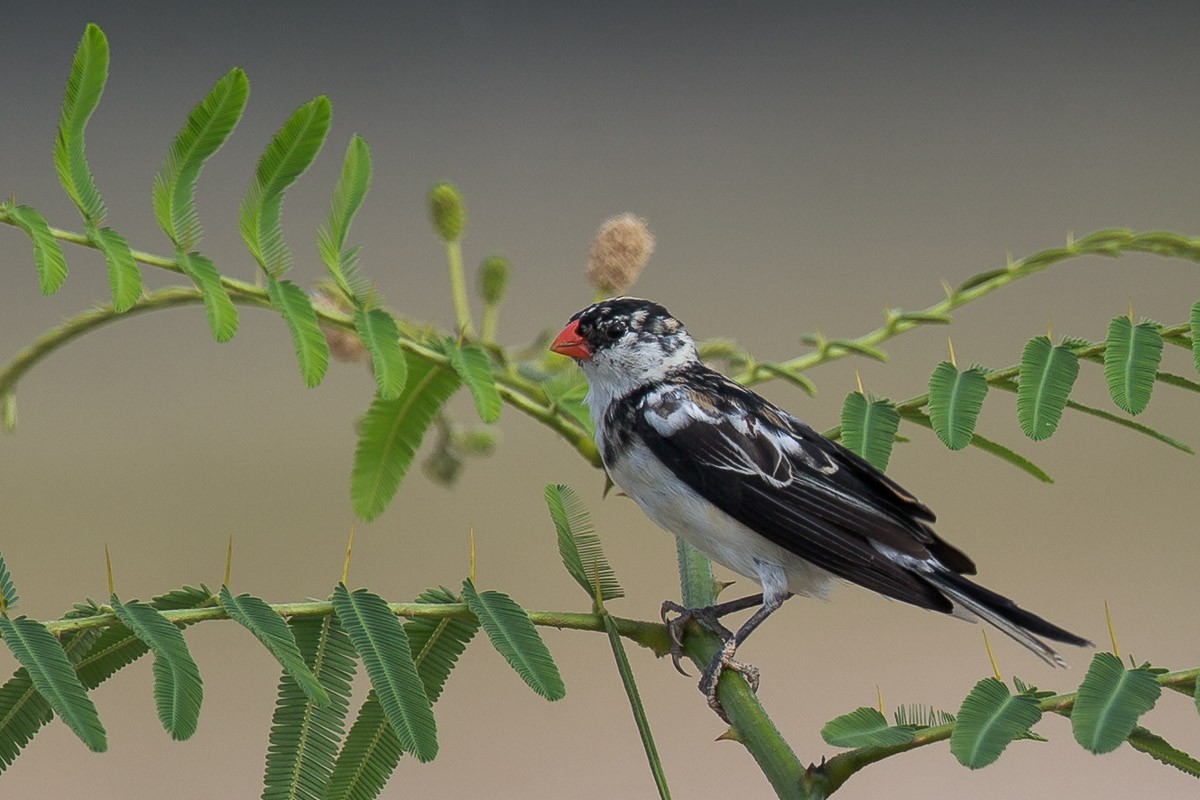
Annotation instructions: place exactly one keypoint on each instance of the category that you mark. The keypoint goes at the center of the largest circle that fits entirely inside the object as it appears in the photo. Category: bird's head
(626, 342)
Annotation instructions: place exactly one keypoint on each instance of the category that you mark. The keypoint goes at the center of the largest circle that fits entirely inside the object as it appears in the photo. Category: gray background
(801, 166)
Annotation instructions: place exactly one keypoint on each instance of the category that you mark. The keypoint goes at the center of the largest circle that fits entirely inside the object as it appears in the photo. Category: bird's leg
(724, 659)
(708, 616)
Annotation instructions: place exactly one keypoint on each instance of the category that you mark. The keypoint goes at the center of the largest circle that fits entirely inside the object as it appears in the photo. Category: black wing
(783, 480)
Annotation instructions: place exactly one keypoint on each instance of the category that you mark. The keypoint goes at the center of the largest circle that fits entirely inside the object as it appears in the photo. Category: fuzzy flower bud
(447, 211)
(493, 279)
(619, 252)
(344, 345)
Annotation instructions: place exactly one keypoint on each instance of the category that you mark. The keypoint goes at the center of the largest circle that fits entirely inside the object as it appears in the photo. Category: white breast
(675, 507)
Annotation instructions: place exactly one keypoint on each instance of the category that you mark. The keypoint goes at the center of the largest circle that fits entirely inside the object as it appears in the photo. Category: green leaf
(635, 703)
(437, 643)
(955, 400)
(869, 428)
(1131, 357)
(178, 689)
(47, 255)
(1163, 751)
(23, 711)
(312, 351)
(382, 644)
(377, 330)
(515, 637)
(475, 368)
(791, 376)
(865, 727)
(124, 277)
(221, 313)
(1194, 327)
(286, 158)
(96, 655)
(578, 544)
(53, 675)
(207, 128)
(1046, 376)
(253, 614)
(85, 84)
(371, 750)
(390, 433)
(919, 716)
(304, 736)
(988, 720)
(1110, 701)
(352, 186)
(8, 591)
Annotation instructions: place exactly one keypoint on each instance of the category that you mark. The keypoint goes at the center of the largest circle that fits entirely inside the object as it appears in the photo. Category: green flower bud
(443, 467)
(447, 211)
(477, 441)
(493, 279)
(619, 252)
(10, 412)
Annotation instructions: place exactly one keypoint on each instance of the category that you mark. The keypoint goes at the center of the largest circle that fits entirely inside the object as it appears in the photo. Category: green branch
(1112, 243)
(827, 778)
(651, 635)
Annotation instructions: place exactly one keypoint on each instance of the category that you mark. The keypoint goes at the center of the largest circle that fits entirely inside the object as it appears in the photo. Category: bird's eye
(616, 330)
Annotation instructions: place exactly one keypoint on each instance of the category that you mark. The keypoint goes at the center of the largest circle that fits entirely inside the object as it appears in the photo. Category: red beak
(570, 342)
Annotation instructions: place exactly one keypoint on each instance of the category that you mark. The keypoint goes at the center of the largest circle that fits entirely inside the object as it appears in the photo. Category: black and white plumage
(756, 489)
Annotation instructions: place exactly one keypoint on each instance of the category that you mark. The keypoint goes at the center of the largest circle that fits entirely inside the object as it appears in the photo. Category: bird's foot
(708, 616)
(723, 660)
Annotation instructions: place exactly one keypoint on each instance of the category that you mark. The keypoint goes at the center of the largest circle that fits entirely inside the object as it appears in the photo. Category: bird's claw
(708, 616)
(723, 660)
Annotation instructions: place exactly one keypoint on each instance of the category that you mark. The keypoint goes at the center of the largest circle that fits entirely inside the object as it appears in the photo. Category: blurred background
(801, 167)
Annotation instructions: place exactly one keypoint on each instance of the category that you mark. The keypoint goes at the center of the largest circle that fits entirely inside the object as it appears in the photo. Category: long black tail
(1005, 615)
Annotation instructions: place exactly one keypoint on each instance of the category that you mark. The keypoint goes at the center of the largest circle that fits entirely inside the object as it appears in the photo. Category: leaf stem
(458, 289)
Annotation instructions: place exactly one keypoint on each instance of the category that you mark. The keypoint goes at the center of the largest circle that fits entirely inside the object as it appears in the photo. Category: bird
(756, 489)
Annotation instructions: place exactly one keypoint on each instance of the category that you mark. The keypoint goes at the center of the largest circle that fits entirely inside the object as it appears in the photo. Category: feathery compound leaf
(352, 187)
(1194, 327)
(269, 628)
(382, 644)
(53, 675)
(304, 736)
(955, 400)
(178, 690)
(475, 368)
(1163, 751)
(85, 84)
(515, 637)
(23, 711)
(1131, 357)
(8, 590)
(124, 277)
(1110, 700)
(96, 655)
(988, 720)
(221, 313)
(865, 727)
(919, 716)
(437, 643)
(1046, 377)
(371, 750)
(390, 433)
(47, 255)
(312, 351)
(286, 158)
(207, 128)
(578, 544)
(377, 330)
(869, 428)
